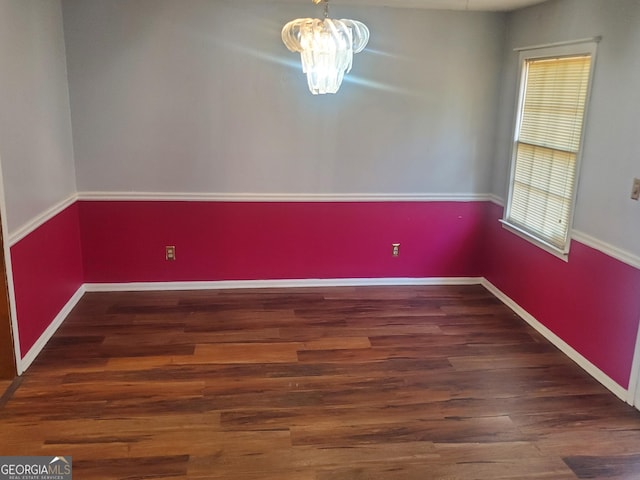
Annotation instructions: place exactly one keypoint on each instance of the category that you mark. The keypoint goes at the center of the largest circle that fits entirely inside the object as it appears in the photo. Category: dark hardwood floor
(411, 383)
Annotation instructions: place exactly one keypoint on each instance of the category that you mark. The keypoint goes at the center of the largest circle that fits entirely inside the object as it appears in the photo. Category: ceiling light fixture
(326, 48)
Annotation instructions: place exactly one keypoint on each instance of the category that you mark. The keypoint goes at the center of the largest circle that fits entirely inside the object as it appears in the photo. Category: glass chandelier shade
(326, 48)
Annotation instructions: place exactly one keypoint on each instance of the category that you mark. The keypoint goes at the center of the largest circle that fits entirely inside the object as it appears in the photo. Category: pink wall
(124, 241)
(47, 271)
(592, 301)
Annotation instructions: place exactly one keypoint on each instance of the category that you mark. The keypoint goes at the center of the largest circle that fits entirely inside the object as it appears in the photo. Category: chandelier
(326, 48)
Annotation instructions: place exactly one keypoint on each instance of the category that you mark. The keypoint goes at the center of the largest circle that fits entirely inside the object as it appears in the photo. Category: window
(554, 91)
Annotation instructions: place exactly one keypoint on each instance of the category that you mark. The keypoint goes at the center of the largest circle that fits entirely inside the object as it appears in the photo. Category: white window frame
(565, 49)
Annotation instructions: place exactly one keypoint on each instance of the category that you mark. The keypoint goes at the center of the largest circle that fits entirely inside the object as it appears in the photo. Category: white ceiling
(487, 5)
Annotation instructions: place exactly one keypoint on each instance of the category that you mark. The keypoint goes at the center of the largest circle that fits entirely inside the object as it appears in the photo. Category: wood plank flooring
(372, 383)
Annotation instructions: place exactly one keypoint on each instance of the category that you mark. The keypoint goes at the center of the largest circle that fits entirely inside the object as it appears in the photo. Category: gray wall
(202, 96)
(35, 127)
(611, 156)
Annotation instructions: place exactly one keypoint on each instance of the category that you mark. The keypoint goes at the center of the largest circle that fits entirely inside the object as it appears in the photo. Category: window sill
(547, 247)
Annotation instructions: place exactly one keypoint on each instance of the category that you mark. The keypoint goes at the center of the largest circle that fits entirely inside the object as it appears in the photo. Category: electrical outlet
(170, 252)
(395, 249)
(635, 191)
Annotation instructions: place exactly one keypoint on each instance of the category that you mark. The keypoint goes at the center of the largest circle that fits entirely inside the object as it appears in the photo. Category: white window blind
(547, 143)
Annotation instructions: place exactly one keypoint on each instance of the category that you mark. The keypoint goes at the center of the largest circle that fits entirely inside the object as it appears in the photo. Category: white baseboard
(37, 347)
(563, 346)
(290, 283)
(633, 397)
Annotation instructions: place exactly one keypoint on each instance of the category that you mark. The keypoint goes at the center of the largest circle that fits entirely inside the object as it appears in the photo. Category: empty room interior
(217, 266)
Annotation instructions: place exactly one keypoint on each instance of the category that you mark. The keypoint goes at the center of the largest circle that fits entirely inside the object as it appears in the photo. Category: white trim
(579, 236)
(606, 248)
(599, 375)
(9, 273)
(37, 347)
(51, 329)
(559, 44)
(554, 50)
(10, 240)
(40, 220)
(285, 283)
(531, 238)
(284, 197)
(563, 346)
(633, 397)
(493, 198)
(21, 232)
(589, 47)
